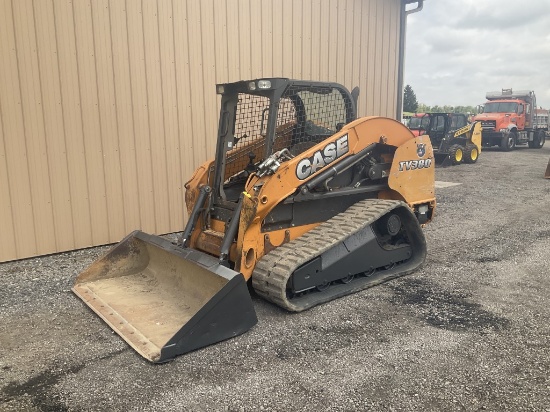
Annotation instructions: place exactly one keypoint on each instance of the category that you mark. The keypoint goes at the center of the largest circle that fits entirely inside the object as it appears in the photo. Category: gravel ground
(469, 331)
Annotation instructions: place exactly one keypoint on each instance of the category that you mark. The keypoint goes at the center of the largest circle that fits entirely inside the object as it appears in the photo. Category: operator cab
(263, 117)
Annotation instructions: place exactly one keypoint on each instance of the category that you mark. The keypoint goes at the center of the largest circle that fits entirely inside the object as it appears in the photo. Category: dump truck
(508, 119)
(303, 203)
(453, 139)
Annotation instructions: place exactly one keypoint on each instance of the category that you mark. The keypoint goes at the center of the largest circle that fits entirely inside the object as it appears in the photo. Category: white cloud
(456, 51)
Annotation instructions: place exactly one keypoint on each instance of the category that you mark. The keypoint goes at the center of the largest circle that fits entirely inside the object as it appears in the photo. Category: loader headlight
(251, 86)
(220, 89)
(264, 84)
(503, 130)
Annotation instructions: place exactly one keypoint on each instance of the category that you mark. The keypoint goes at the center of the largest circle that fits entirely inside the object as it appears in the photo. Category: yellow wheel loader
(453, 139)
(303, 202)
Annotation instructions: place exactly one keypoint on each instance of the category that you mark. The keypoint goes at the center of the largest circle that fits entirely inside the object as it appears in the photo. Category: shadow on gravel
(41, 388)
(445, 310)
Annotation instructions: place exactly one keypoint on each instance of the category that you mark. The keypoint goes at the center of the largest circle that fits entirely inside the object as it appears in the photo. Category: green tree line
(411, 105)
(423, 108)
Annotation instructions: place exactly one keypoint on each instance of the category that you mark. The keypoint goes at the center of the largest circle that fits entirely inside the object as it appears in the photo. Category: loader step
(273, 276)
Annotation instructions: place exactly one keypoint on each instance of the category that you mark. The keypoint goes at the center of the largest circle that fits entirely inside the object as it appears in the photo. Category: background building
(107, 106)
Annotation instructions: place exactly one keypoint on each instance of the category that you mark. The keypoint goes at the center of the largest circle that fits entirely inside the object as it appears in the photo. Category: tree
(410, 104)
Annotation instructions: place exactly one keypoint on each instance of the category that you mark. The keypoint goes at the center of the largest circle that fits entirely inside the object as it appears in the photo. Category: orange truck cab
(508, 119)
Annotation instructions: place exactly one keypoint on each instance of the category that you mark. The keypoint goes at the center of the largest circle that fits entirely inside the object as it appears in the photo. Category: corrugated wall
(107, 106)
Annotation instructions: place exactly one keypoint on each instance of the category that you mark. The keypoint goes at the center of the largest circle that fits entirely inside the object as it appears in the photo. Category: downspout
(402, 36)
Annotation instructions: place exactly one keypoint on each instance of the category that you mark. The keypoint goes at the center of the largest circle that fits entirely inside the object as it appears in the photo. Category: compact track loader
(303, 200)
(454, 140)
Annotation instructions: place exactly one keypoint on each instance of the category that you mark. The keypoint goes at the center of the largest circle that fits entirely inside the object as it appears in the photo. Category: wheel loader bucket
(442, 159)
(547, 173)
(165, 300)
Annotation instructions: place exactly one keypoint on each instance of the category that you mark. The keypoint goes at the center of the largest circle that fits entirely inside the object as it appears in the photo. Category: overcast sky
(456, 51)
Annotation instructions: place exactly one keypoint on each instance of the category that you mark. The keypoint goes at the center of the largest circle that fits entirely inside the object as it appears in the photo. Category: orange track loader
(303, 201)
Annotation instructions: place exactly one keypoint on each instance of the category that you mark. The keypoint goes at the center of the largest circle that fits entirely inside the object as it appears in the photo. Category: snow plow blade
(164, 300)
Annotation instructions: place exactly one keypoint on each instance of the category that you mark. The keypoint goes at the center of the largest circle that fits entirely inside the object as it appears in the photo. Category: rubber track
(272, 272)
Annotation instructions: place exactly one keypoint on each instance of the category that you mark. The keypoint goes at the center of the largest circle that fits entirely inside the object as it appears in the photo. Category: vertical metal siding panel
(372, 104)
(358, 44)
(316, 29)
(156, 117)
(393, 28)
(297, 51)
(220, 49)
(256, 39)
(287, 38)
(333, 29)
(33, 118)
(7, 235)
(307, 49)
(326, 34)
(123, 106)
(349, 45)
(91, 122)
(19, 212)
(208, 89)
(277, 7)
(267, 38)
(363, 107)
(196, 81)
(384, 44)
(233, 41)
(340, 35)
(220, 33)
(108, 118)
(72, 122)
(183, 89)
(53, 125)
(171, 125)
(243, 48)
(140, 106)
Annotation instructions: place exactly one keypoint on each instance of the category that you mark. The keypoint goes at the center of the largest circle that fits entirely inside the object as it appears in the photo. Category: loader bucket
(165, 300)
(442, 160)
(547, 173)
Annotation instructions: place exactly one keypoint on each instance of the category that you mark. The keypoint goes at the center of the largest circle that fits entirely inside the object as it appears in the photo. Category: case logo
(328, 154)
(421, 149)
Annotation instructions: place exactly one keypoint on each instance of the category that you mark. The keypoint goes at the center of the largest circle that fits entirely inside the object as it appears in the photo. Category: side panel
(413, 171)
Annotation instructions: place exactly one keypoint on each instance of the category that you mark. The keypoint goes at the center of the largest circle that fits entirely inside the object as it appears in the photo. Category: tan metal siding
(107, 106)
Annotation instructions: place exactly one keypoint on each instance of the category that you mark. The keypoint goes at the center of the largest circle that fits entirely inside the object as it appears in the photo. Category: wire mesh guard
(305, 117)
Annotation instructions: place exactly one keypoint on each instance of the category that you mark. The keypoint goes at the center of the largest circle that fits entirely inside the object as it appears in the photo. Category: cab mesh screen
(305, 117)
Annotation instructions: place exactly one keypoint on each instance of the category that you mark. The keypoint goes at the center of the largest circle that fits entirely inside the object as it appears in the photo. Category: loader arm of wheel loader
(473, 134)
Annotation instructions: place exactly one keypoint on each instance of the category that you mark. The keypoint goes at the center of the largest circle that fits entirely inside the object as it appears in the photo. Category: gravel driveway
(469, 331)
